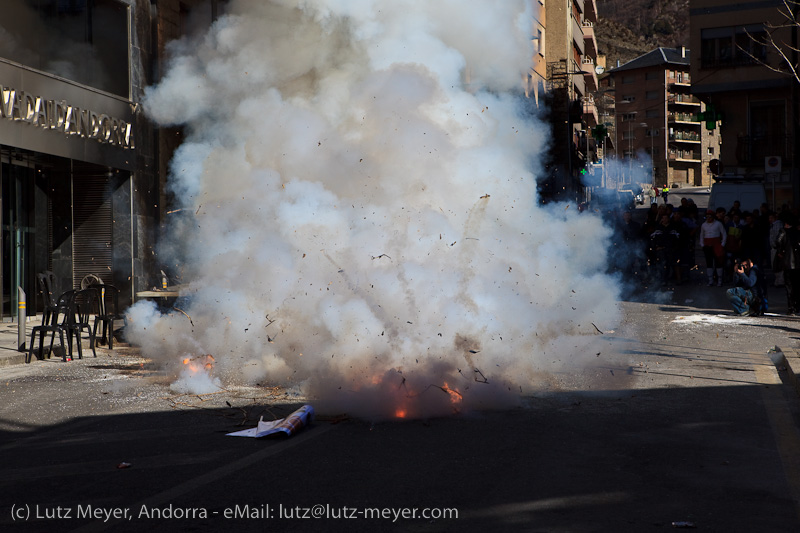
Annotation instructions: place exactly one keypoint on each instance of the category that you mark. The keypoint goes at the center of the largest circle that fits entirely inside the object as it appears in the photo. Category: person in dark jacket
(748, 296)
(664, 247)
(788, 253)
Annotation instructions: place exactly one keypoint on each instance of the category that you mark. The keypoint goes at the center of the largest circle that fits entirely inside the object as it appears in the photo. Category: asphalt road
(677, 418)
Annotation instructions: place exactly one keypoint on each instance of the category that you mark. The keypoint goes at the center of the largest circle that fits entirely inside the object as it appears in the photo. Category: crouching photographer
(748, 296)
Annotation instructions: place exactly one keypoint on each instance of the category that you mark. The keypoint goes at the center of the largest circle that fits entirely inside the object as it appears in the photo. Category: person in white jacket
(713, 238)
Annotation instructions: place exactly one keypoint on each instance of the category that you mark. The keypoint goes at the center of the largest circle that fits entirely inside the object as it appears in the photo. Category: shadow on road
(616, 461)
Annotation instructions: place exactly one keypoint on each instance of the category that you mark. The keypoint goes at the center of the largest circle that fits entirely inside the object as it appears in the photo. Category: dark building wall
(155, 24)
(143, 191)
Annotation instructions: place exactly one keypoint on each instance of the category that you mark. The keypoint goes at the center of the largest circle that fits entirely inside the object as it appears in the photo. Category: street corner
(787, 360)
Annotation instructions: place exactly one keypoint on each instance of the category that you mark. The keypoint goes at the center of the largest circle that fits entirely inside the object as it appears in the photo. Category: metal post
(22, 320)
(774, 207)
(652, 158)
(630, 151)
(605, 182)
(795, 95)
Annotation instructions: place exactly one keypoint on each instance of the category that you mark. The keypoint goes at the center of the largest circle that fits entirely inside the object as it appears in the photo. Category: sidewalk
(9, 341)
(693, 295)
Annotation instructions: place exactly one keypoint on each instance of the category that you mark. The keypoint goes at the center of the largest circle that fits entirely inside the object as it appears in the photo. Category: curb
(13, 358)
(790, 358)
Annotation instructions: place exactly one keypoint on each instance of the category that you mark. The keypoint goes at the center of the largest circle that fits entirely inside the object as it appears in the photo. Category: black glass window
(82, 40)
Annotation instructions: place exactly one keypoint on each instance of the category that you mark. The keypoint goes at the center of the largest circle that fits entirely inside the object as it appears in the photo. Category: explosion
(359, 209)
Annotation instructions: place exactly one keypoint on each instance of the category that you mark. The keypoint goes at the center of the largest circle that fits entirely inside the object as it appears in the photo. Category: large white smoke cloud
(360, 213)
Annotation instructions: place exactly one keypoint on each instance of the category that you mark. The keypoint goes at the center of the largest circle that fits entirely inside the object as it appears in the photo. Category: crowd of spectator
(737, 247)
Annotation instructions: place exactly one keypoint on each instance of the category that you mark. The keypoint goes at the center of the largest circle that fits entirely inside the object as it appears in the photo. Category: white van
(725, 191)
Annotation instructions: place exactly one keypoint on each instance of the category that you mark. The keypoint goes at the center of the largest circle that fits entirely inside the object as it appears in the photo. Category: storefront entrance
(57, 215)
(19, 227)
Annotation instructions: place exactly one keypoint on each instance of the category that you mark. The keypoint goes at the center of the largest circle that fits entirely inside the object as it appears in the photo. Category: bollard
(22, 320)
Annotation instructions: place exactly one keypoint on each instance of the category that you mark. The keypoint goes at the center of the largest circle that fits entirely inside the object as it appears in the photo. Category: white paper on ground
(289, 425)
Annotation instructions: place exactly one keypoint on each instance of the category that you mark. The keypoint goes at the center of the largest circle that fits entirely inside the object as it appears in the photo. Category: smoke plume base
(361, 222)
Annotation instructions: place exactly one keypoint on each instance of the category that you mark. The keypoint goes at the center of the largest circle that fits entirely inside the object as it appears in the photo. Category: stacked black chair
(57, 321)
(108, 312)
(47, 286)
(79, 319)
(71, 316)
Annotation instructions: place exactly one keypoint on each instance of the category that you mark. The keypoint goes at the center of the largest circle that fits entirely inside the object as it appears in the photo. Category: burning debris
(196, 375)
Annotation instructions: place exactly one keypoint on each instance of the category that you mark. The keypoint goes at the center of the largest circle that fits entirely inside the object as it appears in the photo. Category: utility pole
(630, 150)
(649, 132)
(795, 112)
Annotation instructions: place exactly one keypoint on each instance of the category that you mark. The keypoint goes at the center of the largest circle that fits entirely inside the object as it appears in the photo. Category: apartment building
(570, 56)
(754, 103)
(658, 120)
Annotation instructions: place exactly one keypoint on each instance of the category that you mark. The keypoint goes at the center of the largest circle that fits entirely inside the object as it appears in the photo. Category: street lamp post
(630, 151)
(645, 125)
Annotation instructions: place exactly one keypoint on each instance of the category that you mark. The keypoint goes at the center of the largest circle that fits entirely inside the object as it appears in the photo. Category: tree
(774, 38)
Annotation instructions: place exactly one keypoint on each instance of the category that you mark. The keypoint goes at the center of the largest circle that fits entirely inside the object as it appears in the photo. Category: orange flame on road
(200, 362)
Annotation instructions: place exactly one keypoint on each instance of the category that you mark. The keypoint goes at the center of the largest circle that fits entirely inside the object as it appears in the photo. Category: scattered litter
(288, 426)
(688, 301)
(123, 465)
(714, 319)
(684, 525)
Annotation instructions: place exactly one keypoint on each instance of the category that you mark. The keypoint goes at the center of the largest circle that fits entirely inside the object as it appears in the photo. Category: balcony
(589, 74)
(686, 137)
(577, 37)
(681, 81)
(683, 118)
(578, 82)
(751, 150)
(684, 156)
(739, 60)
(590, 10)
(684, 99)
(589, 39)
(590, 114)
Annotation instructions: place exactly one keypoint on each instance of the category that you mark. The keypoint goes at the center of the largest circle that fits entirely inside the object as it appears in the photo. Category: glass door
(17, 200)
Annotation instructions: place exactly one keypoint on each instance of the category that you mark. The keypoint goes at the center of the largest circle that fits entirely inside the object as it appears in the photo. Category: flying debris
(320, 71)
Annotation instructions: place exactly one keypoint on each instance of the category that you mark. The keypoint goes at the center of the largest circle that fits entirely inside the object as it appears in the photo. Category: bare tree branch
(783, 49)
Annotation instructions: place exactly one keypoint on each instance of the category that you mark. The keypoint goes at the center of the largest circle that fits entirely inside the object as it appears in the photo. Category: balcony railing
(684, 99)
(577, 36)
(684, 155)
(751, 150)
(682, 117)
(737, 61)
(589, 38)
(688, 136)
(589, 75)
(684, 79)
(590, 114)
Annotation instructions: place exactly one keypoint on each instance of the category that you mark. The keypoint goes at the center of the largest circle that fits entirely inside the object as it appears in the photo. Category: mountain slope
(626, 29)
